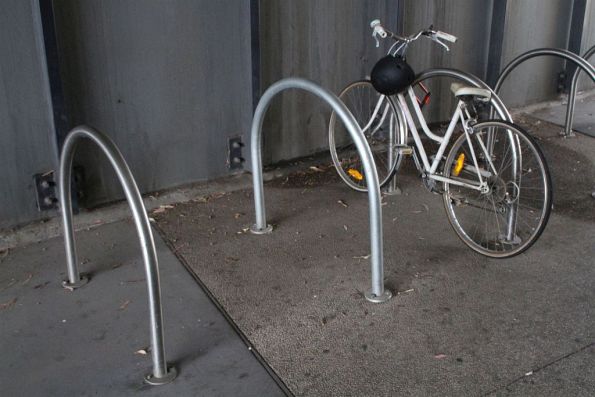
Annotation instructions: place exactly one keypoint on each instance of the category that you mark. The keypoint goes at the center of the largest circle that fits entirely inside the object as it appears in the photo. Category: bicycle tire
(361, 98)
(527, 191)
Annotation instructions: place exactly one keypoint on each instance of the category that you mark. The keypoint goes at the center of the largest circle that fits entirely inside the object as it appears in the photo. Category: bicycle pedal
(404, 150)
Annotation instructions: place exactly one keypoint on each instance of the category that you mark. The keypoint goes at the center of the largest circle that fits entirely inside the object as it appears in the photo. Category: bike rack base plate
(372, 297)
(172, 373)
(72, 286)
(393, 191)
(563, 134)
(256, 230)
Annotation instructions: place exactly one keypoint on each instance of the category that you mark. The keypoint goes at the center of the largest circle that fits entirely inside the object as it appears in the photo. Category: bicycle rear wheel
(377, 116)
(512, 212)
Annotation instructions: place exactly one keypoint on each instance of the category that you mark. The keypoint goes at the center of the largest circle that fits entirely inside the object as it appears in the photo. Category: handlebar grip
(378, 28)
(446, 36)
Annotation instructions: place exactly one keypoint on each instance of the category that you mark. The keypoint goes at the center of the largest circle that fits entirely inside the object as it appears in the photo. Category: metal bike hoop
(377, 293)
(469, 79)
(572, 95)
(580, 62)
(161, 374)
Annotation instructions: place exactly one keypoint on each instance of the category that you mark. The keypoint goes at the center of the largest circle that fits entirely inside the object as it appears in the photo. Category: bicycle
(495, 183)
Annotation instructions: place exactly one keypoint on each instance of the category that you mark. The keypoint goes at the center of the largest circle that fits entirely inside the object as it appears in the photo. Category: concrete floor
(83, 343)
(583, 115)
(460, 324)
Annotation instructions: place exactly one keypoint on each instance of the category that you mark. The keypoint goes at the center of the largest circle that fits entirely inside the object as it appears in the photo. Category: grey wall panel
(532, 24)
(170, 86)
(328, 42)
(26, 125)
(588, 41)
(469, 20)
(169, 81)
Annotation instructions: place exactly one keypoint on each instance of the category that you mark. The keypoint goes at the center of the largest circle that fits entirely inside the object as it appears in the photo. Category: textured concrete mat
(460, 324)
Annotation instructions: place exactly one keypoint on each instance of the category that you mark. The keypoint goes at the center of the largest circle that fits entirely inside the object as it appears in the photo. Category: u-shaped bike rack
(572, 94)
(161, 373)
(469, 79)
(569, 56)
(377, 293)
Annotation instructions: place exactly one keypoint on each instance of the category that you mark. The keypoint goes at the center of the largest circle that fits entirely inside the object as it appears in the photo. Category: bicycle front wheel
(510, 213)
(377, 117)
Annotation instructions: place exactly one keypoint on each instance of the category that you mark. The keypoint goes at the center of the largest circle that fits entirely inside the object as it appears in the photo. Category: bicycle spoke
(374, 114)
(521, 185)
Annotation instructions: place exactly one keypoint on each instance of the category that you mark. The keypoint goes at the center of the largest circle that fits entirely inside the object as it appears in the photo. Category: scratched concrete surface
(461, 324)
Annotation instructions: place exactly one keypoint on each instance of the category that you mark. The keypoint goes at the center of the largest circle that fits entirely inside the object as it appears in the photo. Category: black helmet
(391, 75)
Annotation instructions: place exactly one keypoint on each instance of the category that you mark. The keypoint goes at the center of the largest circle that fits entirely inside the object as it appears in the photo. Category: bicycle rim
(508, 218)
(377, 124)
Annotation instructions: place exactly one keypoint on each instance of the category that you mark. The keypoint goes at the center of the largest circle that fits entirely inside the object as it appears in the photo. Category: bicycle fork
(512, 204)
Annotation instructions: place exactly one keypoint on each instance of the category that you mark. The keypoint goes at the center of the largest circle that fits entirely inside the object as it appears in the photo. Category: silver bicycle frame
(499, 108)
(430, 169)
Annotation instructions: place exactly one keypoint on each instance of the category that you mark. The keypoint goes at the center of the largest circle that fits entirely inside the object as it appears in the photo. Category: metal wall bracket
(45, 191)
(235, 159)
(562, 78)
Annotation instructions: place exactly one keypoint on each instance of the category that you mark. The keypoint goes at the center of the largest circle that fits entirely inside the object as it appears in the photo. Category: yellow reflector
(459, 164)
(355, 174)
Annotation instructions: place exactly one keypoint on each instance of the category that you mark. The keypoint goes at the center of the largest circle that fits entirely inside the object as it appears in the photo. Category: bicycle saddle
(461, 90)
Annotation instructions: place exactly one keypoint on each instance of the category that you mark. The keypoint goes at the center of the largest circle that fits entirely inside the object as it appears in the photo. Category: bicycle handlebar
(378, 30)
(434, 35)
(446, 36)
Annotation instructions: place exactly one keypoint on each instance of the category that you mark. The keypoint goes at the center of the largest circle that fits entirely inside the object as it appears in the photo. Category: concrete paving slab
(584, 115)
(461, 324)
(83, 343)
